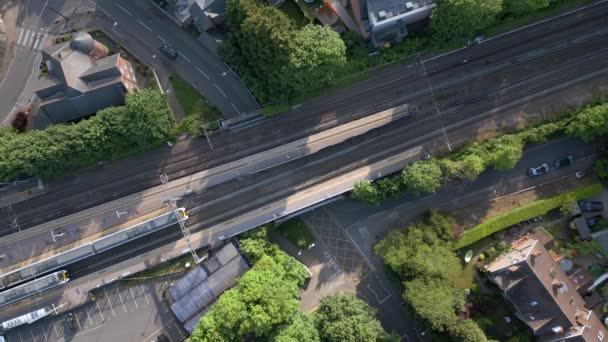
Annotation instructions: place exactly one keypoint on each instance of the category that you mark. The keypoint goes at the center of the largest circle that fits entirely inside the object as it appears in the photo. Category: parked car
(535, 171)
(70, 321)
(591, 206)
(478, 39)
(592, 221)
(168, 51)
(566, 161)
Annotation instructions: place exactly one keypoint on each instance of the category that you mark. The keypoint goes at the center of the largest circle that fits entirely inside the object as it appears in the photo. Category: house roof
(545, 298)
(405, 12)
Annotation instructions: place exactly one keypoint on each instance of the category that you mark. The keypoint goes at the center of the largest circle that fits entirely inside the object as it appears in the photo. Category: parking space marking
(78, 321)
(132, 295)
(21, 337)
(89, 316)
(145, 295)
(32, 333)
(179, 330)
(98, 309)
(120, 297)
(54, 328)
(43, 333)
(108, 299)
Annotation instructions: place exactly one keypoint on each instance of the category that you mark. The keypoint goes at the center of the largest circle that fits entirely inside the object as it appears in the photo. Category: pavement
(349, 229)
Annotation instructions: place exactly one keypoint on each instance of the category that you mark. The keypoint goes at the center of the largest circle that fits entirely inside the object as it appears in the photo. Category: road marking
(27, 35)
(161, 38)
(132, 295)
(54, 328)
(178, 330)
(46, 338)
(186, 58)
(202, 72)
(20, 36)
(37, 41)
(145, 295)
(89, 316)
(78, 321)
(32, 333)
(120, 297)
(233, 106)
(21, 337)
(218, 88)
(122, 8)
(44, 7)
(144, 25)
(108, 299)
(98, 309)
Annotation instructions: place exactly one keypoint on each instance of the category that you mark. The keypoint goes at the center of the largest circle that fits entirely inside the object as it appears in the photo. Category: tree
(590, 122)
(505, 152)
(462, 18)
(344, 318)
(422, 176)
(431, 260)
(367, 192)
(468, 331)
(601, 168)
(435, 300)
(394, 249)
(389, 186)
(470, 166)
(519, 7)
(302, 328)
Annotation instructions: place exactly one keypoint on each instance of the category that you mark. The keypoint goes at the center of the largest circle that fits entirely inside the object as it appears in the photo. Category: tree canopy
(463, 18)
(422, 176)
(302, 328)
(590, 122)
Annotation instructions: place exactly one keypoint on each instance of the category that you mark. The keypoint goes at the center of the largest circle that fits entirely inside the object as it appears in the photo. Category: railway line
(438, 72)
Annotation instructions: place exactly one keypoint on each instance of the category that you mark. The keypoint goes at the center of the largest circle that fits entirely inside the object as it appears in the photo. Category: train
(33, 287)
(86, 250)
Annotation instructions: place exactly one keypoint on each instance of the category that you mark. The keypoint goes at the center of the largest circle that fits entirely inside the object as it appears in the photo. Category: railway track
(187, 162)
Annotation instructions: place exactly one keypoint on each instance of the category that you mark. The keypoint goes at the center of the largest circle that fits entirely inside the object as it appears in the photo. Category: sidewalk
(8, 33)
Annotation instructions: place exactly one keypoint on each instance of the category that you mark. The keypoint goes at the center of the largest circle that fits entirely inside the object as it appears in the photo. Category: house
(207, 14)
(82, 79)
(545, 298)
(193, 295)
(389, 21)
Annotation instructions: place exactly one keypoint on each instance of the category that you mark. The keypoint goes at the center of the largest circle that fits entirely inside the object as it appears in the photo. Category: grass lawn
(169, 267)
(525, 212)
(198, 111)
(296, 231)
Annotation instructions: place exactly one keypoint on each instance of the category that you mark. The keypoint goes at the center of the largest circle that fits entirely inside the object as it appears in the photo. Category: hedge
(525, 212)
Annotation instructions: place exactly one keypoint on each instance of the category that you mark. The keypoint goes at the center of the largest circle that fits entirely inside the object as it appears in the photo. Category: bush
(526, 212)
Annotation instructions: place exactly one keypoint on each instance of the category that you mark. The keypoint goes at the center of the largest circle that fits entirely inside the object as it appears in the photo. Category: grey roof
(83, 42)
(212, 6)
(102, 68)
(184, 285)
(406, 12)
(582, 227)
(191, 324)
(195, 292)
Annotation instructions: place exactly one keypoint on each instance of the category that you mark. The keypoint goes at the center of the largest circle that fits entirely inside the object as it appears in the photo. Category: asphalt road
(503, 74)
(145, 23)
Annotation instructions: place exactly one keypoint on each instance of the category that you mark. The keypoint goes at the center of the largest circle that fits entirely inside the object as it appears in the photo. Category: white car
(535, 171)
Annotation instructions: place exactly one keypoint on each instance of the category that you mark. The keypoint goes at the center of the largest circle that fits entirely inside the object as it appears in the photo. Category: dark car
(566, 161)
(591, 206)
(592, 221)
(70, 321)
(162, 338)
(535, 171)
(168, 51)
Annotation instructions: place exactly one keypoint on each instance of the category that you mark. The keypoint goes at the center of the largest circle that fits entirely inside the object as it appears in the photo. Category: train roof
(32, 287)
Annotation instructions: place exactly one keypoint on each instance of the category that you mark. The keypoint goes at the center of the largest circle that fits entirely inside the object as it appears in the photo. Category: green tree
(519, 7)
(435, 300)
(394, 249)
(389, 186)
(470, 166)
(505, 152)
(590, 122)
(468, 331)
(302, 328)
(367, 192)
(431, 260)
(462, 18)
(422, 176)
(601, 168)
(344, 318)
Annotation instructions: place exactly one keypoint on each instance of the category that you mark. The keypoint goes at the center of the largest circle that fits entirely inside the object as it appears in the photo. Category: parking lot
(121, 312)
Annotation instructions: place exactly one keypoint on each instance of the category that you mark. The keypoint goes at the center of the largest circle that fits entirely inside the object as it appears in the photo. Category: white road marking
(89, 316)
(55, 328)
(44, 7)
(27, 35)
(39, 46)
(178, 330)
(20, 36)
(144, 25)
(31, 40)
(161, 38)
(145, 295)
(132, 295)
(186, 58)
(21, 337)
(43, 334)
(121, 301)
(98, 309)
(108, 299)
(32, 333)
(36, 41)
(78, 321)
(124, 10)
(233, 106)
(202, 72)
(218, 88)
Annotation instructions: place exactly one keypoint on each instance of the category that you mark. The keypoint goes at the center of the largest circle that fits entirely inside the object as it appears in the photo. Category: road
(448, 95)
(143, 22)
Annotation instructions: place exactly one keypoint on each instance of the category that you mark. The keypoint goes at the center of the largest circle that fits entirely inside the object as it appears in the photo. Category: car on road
(566, 161)
(168, 51)
(478, 39)
(70, 321)
(591, 206)
(535, 171)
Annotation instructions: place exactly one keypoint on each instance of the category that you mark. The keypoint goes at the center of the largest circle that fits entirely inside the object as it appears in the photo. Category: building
(389, 21)
(545, 298)
(194, 294)
(207, 14)
(82, 79)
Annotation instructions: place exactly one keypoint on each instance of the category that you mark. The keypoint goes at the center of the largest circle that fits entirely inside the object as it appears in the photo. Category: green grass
(294, 12)
(526, 212)
(511, 23)
(296, 231)
(168, 267)
(196, 107)
(273, 110)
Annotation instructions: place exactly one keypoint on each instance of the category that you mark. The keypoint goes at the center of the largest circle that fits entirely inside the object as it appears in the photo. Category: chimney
(557, 284)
